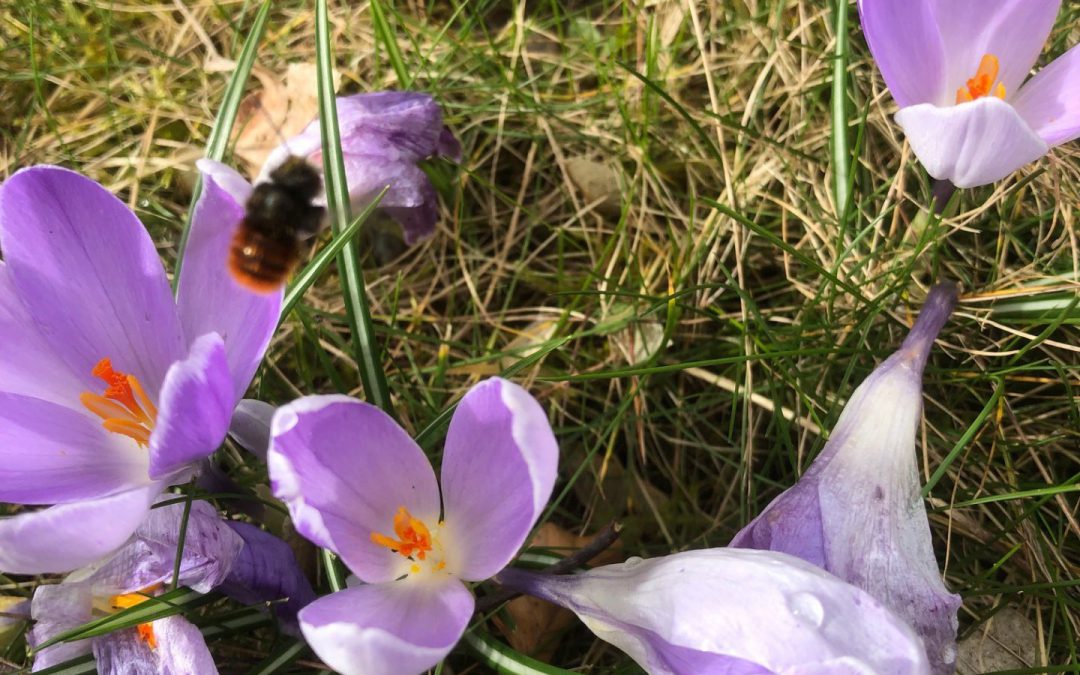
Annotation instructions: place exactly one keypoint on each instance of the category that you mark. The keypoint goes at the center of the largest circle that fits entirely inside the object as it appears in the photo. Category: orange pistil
(146, 630)
(414, 538)
(124, 408)
(983, 82)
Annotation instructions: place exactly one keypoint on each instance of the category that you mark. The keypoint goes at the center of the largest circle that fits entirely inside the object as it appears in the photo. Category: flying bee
(279, 217)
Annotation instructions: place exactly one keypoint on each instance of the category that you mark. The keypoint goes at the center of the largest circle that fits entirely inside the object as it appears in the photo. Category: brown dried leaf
(1008, 641)
(283, 107)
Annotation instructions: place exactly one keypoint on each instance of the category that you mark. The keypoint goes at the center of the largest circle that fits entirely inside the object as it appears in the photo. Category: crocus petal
(209, 299)
(181, 648)
(123, 652)
(1050, 101)
(225, 177)
(863, 493)
(394, 628)
(250, 426)
(28, 363)
(195, 408)
(266, 570)
(68, 536)
(1012, 30)
(88, 273)
(383, 136)
(903, 38)
(411, 199)
(56, 608)
(345, 468)
(149, 557)
(732, 611)
(499, 466)
(50, 454)
(971, 144)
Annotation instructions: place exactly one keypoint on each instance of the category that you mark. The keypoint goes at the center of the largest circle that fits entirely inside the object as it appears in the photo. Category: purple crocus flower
(110, 390)
(139, 570)
(355, 483)
(383, 137)
(732, 611)
(957, 69)
(858, 512)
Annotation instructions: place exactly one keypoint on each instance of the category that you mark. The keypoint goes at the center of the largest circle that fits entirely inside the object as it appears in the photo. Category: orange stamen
(414, 538)
(983, 83)
(146, 630)
(125, 408)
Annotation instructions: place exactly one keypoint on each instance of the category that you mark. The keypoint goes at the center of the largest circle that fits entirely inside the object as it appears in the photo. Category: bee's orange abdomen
(259, 262)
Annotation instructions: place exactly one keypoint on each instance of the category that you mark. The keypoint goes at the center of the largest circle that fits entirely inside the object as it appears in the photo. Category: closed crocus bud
(858, 512)
(732, 611)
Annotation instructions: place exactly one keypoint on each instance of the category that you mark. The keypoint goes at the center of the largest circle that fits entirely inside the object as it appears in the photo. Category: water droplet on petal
(807, 608)
(632, 562)
(948, 654)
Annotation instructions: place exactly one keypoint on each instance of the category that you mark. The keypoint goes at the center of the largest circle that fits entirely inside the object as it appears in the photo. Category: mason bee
(279, 217)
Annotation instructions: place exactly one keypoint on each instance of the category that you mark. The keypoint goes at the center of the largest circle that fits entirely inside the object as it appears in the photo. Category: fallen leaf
(598, 182)
(282, 108)
(1007, 641)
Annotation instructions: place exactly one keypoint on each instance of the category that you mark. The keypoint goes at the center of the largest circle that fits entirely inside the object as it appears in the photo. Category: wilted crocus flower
(858, 512)
(957, 69)
(383, 137)
(266, 570)
(140, 570)
(732, 611)
(355, 483)
(110, 389)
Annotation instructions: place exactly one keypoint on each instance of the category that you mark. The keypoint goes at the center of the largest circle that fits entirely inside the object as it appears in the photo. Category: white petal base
(970, 144)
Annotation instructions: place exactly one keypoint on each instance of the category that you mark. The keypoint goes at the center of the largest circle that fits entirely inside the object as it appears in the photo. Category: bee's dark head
(298, 177)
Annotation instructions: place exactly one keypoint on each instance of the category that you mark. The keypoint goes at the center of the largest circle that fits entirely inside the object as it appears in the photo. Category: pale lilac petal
(1012, 30)
(88, 273)
(250, 426)
(498, 470)
(50, 454)
(181, 648)
(56, 608)
(123, 652)
(864, 491)
(1050, 101)
(393, 628)
(345, 468)
(28, 364)
(62, 538)
(411, 199)
(267, 571)
(733, 611)
(194, 411)
(904, 41)
(209, 299)
(971, 144)
(149, 557)
(227, 178)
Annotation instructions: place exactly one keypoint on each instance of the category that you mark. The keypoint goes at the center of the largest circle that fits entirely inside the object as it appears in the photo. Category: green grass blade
(154, 608)
(965, 439)
(386, 36)
(841, 154)
(366, 349)
(503, 659)
(219, 135)
(322, 259)
(281, 660)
